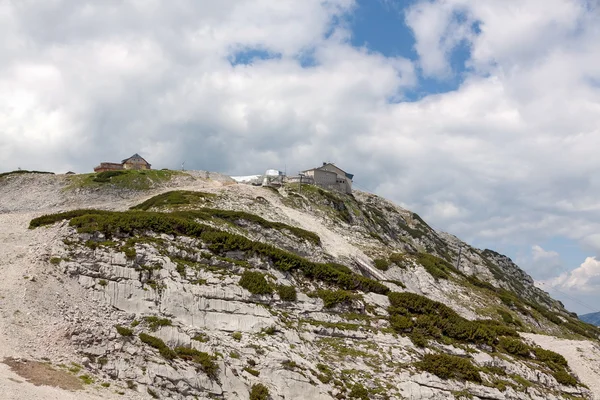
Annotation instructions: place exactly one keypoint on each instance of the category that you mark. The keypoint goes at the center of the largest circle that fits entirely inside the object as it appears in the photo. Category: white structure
(273, 177)
(330, 177)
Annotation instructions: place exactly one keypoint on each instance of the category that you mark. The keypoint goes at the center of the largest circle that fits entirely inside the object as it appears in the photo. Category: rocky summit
(186, 285)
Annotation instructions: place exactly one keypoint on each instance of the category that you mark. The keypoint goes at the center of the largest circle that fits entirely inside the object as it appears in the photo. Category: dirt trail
(583, 357)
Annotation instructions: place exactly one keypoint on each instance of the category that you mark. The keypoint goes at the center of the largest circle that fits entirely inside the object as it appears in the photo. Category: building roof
(349, 176)
(134, 156)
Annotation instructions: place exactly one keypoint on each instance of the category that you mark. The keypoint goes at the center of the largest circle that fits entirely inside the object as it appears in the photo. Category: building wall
(341, 184)
(136, 163)
(324, 178)
(103, 167)
(330, 177)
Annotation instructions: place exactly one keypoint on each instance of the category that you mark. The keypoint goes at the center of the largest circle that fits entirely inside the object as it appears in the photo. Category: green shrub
(204, 360)
(259, 392)
(155, 322)
(401, 323)
(332, 298)
(287, 293)
(201, 337)
(124, 331)
(506, 316)
(177, 198)
(398, 258)
(515, 347)
(435, 266)
(358, 391)
(435, 319)
(252, 371)
(237, 336)
(86, 379)
(564, 378)
(447, 366)
(418, 339)
(174, 198)
(549, 356)
(158, 344)
(105, 176)
(381, 264)
(255, 283)
(102, 282)
(55, 260)
(183, 223)
(271, 330)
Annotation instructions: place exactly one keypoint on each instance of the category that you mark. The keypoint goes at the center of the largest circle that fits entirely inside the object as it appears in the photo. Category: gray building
(331, 177)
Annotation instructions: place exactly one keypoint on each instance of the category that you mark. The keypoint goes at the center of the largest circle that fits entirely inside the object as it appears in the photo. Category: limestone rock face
(161, 314)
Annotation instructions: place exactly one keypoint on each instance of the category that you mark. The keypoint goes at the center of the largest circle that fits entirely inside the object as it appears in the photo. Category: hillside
(591, 318)
(187, 285)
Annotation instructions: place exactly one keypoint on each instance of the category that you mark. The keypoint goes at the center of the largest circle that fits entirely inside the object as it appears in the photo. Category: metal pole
(458, 261)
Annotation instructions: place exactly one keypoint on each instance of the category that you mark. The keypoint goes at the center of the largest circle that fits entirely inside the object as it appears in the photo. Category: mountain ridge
(207, 258)
(591, 318)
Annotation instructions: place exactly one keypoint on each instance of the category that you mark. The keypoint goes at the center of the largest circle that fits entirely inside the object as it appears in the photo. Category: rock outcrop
(313, 294)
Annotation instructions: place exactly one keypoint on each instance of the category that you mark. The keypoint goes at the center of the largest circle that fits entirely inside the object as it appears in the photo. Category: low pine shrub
(183, 223)
(158, 344)
(447, 366)
(381, 264)
(259, 392)
(287, 293)
(124, 331)
(255, 283)
(155, 322)
(332, 298)
(514, 346)
(205, 361)
(564, 378)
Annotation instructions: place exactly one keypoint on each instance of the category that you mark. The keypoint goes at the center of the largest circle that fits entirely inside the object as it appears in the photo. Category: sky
(483, 116)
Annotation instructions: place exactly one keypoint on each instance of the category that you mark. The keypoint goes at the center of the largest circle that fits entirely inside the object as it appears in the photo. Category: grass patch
(124, 179)
(23, 171)
(86, 379)
(174, 198)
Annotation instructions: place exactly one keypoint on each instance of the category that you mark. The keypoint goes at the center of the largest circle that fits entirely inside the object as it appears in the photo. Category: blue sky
(481, 116)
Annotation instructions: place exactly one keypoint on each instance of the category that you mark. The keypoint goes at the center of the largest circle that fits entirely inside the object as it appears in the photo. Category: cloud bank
(242, 86)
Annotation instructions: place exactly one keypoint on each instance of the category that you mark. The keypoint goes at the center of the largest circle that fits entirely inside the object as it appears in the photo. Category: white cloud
(508, 157)
(439, 27)
(585, 278)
